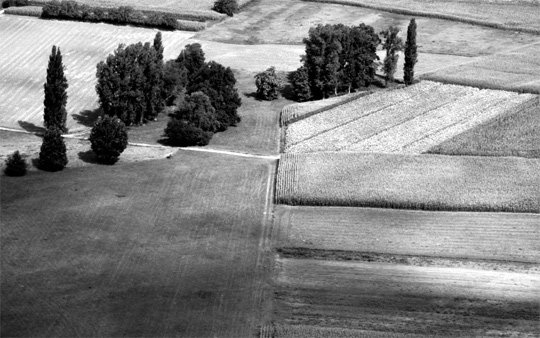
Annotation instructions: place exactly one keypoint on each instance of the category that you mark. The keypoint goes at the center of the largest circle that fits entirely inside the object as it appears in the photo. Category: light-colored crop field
(517, 70)
(407, 120)
(157, 248)
(459, 235)
(433, 182)
(520, 15)
(402, 299)
(83, 45)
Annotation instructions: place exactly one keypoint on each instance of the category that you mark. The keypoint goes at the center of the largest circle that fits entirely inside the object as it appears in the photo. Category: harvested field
(517, 70)
(121, 251)
(457, 235)
(407, 120)
(395, 299)
(520, 15)
(433, 182)
(511, 134)
(83, 45)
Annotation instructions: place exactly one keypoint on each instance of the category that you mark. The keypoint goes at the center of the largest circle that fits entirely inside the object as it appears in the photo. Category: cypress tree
(55, 92)
(52, 156)
(410, 53)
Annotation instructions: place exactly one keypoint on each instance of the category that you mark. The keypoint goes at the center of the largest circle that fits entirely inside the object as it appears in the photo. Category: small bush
(52, 156)
(182, 133)
(228, 7)
(268, 84)
(15, 165)
(109, 139)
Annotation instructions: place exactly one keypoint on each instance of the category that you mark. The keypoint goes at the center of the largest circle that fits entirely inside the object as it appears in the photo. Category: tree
(192, 58)
(174, 81)
(268, 84)
(55, 92)
(182, 133)
(130, 84)
(15, 165)
(392, 44)
(410, 53)
(158, 46)
(218, 83)
(197, 110)
(299, 81)
(228, 7)
(52, 156)
(108, 139)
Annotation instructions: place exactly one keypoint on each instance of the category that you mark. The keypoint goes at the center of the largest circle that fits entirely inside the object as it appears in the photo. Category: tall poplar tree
(55, 93)
(392, 44)
(410, 53)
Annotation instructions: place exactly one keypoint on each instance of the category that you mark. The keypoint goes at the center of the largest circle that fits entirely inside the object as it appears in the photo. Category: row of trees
(342, 59)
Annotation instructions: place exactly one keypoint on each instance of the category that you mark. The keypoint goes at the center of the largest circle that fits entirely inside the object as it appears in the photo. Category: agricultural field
(511, 15)
(410, 233)
(433, 182)
(406, 120)
(516, 70)
(120, 251)
(511, 134)
(319, 298)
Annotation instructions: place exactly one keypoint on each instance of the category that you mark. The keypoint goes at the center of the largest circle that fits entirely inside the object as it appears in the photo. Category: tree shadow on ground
(88, 117)
(32, 128)
(252, 95)
(88, 156)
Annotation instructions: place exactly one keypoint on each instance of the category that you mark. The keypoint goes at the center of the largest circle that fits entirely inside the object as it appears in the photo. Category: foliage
(228, 7)
(14, 3)
(218, 83)
(410, 53)
(15, 165)
(158, 46)
(392, 44)
(130, 83)
(52, 156)
(182, 133)
(109, 139)
(174, 81)
(197, 110)
(299, 80)
(268, 84)
(192, 59)
(55, 92)
(71, 10)
(340, 58)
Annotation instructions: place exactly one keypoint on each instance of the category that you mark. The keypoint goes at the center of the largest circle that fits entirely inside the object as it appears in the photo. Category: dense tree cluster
(15, 165)
(410, 53)
(71, 10)
(268, 84)
(229, 7)
(14, 3)
(130, 83)
(109, 139)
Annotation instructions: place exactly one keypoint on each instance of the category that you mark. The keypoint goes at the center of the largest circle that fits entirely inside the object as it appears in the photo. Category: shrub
(182, 133)
(15, 165)
(268, 84)
(299, 81)
(109, 139)
(52, 156)
(228, 7)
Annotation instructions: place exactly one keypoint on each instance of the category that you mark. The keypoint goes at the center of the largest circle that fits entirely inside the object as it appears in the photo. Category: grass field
(319, 298)
(83, 45)
(122, 251)
(406, 120)
(511, 15)
(458, 235)
(433, 182)
(517, 70)
(510, 134)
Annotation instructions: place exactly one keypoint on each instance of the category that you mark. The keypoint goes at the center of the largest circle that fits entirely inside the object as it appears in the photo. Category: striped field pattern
(83, 45)
(406, 120)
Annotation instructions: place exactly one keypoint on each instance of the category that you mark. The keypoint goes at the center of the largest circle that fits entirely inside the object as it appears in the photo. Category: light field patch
(406, 120)
(434, 182)
(27, 45)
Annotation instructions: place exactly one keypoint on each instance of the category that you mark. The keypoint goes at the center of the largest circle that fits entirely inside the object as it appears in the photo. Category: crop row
(351, 111)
